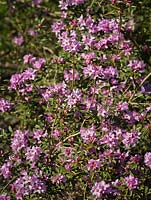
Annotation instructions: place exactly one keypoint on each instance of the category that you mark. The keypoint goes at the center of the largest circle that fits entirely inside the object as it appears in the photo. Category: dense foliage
(76, 115)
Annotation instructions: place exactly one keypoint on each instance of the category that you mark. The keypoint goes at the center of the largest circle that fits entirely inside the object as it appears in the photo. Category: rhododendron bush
(82, 110)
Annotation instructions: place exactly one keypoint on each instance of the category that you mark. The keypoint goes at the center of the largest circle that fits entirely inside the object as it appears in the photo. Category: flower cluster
(18, 40)
(4, 197)
(5, 105)
(36, 63)
(84, 115)
(65, 3)
(19, 140)
(88, 134)
(26, 185)
(100, 188)
(131, 182)
(18, 80)
(147, 159)
(5, 170)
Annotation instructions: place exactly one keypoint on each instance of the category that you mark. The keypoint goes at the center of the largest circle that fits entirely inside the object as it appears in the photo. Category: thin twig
(143, 81)
(8, 184)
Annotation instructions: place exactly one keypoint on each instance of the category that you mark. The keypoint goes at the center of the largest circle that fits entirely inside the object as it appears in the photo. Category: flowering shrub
(83, 115)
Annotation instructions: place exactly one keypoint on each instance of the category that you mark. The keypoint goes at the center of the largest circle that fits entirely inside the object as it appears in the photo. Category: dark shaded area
(17, 17)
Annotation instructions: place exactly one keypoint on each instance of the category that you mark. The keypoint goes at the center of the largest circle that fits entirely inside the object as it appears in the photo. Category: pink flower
(74, 97)
(32, 153)
(130, 138)
(68, 166)
(137, 65)
(18, 40)
(57, 27)
(4, 197)
(63, 4)
(92, 71)
(38, 63)
(131, 182)
(71, 74)
(5, 105)
(56, 134)
(35, 61)
(5, 170)
(57, 179)
(26, 89)
(109, 72)
(32, 32)
(107, 25)
(110, 139)
(68, 151)
(88, 134)
(27, 58)
(117, 183)
(93, 164)
(88, 57)
(19, 141)
(18, 80)
(147, 159)
(26, 185)
(122, 106)
(100, 188)
(38, 134)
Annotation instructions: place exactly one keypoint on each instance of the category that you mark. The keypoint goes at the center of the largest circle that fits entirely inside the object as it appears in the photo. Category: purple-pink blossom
(63, 4)
(100, 188)
(93, 164)
(122, 106)
(5, 105)
(109, 72)
(56, 134)
(130, 138)
(88, 57)
(26, 58)
(147, 159)
(32, 153)
(4, 197)
(5, 170)
(18, 40)
(88, 134)
(71, 75)
(68, 151)
(110, 139)
(32, 32)
(19, 140)
(57, 27)
(39, 62)
(39, 134)
(69, 41)
(74, 97)
(131, 182)
(26, 185)
(58, 179)
(36, 62)
(137, 65)
(92, 71)
(18, 80)
(107, 25)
